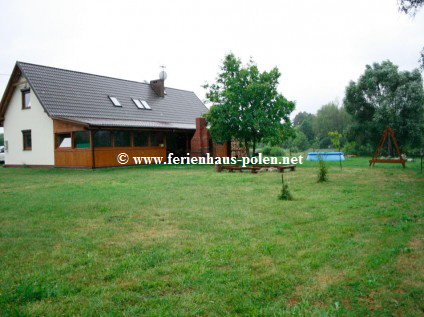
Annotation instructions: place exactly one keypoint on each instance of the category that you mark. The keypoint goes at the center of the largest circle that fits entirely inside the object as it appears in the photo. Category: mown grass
(185, 241)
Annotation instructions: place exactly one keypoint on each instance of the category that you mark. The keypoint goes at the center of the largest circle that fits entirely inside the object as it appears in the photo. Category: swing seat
(388, 161)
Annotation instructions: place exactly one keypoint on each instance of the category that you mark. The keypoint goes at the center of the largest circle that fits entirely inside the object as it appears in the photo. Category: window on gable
(27, 140)
(115, 101)
(26, 99)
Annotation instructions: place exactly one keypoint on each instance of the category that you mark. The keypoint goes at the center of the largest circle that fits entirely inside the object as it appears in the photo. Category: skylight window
(145, 104)
(141, 104)
(138, 104)
(115, 101)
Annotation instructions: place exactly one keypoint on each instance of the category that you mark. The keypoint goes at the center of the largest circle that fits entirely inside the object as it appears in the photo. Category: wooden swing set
(388, 135)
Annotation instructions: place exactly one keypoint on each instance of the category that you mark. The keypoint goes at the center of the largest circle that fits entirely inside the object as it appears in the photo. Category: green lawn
(185, 241)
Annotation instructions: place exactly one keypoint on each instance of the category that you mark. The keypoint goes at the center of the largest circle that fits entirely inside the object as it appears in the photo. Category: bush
(266, 150)
(322, 172)
(411, 152)
(285, 192)
(276, 151)
(272, 151)
(356, 149)
(294, 149)
(350, 148)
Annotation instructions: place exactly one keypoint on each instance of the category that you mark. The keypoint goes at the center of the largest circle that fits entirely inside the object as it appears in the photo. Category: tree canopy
(410, 6)
(386, 97)
(331, 117)
(246, 105)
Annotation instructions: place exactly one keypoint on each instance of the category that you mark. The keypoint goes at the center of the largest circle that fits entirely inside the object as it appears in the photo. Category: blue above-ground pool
(325, 156)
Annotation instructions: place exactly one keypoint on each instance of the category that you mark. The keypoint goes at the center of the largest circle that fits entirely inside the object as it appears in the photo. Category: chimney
(158, 86)
(200, 140)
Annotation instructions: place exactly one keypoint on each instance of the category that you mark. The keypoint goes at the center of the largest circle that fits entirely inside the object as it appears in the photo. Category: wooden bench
(231, 169)
(255, 168)
(280, 168)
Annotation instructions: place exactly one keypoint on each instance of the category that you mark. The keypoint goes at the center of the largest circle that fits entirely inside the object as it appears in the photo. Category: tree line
(246, 106)
(382, 97)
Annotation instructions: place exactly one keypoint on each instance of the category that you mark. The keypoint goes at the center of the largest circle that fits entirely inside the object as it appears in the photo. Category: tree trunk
(254, 147)
(246, 146)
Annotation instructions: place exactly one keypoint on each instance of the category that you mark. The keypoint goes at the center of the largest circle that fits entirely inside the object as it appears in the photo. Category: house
(60, 118)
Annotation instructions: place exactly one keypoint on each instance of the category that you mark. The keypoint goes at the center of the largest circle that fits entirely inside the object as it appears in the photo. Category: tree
(301, 141)
(386, 97)
(331, 117)
(307, 129)
(301, 117)
(335, 140)
(410, 6)
(304, 121)
(246, 105)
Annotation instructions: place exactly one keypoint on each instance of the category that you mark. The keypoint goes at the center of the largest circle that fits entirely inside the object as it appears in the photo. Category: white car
(1, 154)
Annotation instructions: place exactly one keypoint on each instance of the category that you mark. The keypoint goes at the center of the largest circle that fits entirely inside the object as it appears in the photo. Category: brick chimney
(158, 86)
(200, 140)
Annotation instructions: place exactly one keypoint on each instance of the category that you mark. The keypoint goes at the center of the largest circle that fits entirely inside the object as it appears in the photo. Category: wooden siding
(72, 158)
(63, 127)
(107, 157)
(103, 156)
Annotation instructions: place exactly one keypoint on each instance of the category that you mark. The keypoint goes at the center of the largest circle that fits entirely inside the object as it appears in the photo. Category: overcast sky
(319, 46)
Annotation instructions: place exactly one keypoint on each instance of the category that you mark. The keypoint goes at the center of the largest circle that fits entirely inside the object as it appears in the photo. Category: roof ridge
(91, 74)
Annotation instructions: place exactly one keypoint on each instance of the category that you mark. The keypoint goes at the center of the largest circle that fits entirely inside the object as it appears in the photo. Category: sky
(318, 46)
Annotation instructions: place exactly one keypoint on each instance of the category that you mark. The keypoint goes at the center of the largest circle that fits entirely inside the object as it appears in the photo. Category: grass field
(185, 241)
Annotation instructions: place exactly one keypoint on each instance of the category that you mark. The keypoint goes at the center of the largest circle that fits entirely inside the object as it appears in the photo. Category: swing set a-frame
(388, 135)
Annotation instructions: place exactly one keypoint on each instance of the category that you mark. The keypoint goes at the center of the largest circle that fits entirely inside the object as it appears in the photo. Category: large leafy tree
(304, 121)
(386, 97)
(331, 117)
(246, 105)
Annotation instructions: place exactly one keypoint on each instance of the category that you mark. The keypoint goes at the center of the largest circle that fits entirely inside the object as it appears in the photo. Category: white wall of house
(35, 119)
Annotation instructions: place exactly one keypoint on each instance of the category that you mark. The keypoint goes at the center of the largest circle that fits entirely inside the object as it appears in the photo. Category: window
(141, 138)
(63, 140)
(26, 99)
(115, 101)
(138, 104)
(141, 104)
(156, 139)
(145, 104)
(102, 138)
(26, 134)
(82, 139)
(122, 138)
